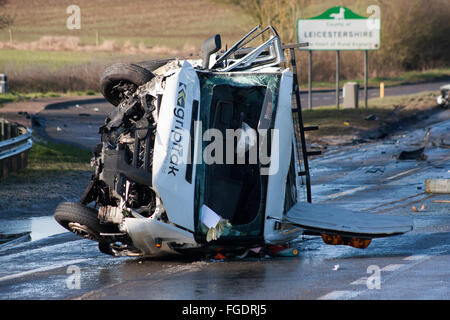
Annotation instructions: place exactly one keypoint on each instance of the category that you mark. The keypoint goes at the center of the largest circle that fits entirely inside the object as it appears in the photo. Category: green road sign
(339, 28)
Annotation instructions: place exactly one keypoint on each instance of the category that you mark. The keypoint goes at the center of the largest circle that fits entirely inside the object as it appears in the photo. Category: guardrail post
(3, 84)
(14, 147)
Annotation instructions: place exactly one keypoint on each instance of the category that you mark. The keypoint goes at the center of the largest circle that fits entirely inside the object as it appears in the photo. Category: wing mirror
(210, 46)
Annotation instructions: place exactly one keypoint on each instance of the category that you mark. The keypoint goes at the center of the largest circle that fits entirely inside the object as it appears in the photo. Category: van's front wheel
(81, 220)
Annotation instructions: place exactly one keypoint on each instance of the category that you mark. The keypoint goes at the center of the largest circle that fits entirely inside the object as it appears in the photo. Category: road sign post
(310, 81)
(365, 78)
(338, 67)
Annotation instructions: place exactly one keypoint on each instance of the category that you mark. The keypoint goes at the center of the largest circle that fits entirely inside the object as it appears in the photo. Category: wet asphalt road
(364, 177)
(328, 98)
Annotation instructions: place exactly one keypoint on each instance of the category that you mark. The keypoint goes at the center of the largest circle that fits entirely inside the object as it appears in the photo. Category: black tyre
(81, 220)
(152, 65)
(120, 77)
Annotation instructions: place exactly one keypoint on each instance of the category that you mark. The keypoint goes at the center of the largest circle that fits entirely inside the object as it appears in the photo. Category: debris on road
(416, 154)
(437, 185)
(413, 155)
(444, 144)
(417, 210)
(444, 99)
(371, 117)
(375, 170)
(16, 237)
(441, 201)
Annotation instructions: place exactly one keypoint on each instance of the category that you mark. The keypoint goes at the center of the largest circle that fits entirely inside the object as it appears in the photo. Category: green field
(56, 59)
(171, 23)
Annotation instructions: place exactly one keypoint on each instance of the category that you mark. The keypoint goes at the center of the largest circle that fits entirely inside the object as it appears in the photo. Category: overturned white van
(208, 154)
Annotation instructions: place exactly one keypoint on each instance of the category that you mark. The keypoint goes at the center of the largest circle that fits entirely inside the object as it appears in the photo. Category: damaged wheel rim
(82, 231)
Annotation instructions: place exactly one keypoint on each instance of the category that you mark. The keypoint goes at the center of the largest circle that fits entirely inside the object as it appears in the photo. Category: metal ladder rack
(300, 125)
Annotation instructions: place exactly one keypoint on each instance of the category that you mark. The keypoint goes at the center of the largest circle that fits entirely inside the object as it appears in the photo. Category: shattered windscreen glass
(236, 192)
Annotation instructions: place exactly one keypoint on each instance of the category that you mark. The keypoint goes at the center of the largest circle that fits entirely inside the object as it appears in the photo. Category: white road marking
(392, 267)
(362, 280)
(416, 257)
(346, 193)
(402, 173)
(347, 294)
(339, 294)
(42, 269)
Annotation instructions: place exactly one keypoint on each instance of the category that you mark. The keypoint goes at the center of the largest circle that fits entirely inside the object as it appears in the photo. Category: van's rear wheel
(152, 65)
(81, 220)
(121, 77)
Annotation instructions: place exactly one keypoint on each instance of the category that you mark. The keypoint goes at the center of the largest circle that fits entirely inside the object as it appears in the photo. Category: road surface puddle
(28, 229)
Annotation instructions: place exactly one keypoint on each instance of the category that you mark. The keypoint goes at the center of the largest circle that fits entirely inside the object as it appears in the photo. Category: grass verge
(18, 96)
(409, 77)
(382, 116)
(50, 159)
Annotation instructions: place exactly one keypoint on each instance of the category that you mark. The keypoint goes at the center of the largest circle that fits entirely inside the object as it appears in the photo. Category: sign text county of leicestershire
(339, 28)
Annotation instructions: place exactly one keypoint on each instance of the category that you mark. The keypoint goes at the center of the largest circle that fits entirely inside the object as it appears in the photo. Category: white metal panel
(172, 144)
(144, 231)
(280, 157)
(323, 217)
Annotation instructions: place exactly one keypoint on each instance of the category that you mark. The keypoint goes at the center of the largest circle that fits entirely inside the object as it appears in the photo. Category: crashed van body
(203, 154)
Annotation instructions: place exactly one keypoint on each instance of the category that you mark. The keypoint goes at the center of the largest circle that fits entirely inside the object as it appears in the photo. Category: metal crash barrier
(15, 143)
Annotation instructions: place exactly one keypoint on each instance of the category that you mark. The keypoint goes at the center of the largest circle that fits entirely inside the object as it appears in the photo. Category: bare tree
(5, 19)
(282, 14)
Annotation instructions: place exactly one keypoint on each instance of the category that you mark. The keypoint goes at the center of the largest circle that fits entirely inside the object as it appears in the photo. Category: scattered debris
(416, 154)
(58, 129)
(219, 256)
(444, 144)
(336, 267)
(17, 237)
(77, 106)
(437, 185)
(444, 99)
(96, 109)
(283, 251)
(441, 201)
(371, 117)
(375, 170)
(35, 121)
(413, 155)
(289, 252)
(417, 210)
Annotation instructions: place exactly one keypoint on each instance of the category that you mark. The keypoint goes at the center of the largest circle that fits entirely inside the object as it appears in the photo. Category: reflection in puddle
(32, 228)
(42, 227)
(14, 237)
